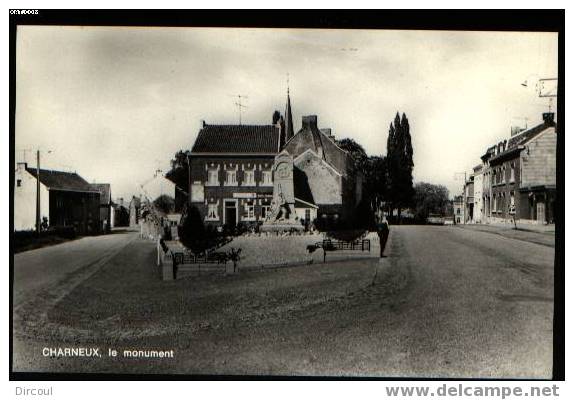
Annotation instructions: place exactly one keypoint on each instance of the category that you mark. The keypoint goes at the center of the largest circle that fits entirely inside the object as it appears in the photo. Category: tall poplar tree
(400, 164)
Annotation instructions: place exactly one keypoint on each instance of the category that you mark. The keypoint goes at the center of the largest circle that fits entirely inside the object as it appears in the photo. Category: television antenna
(545, 87)
(239, 104)
(24, 152)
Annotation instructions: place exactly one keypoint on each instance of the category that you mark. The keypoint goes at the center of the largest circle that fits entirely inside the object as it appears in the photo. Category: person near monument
(383, 231)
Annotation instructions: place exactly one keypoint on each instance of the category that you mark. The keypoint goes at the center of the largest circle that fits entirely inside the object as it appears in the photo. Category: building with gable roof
(327, 172)
(66, 199)
(106, 206)
(520, 176)
(231, 172)
(231, 176)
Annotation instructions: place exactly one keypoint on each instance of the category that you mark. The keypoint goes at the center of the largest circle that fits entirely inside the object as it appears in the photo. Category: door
(540, 212)
(230, 213)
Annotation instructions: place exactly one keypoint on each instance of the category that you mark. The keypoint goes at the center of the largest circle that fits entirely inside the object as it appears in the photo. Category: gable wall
(538, 160)
(326, 186)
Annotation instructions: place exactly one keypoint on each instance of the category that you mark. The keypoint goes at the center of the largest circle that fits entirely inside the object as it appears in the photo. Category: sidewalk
(539, 234)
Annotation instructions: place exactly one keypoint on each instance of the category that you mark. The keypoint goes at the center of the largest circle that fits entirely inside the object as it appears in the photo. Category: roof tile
(58, 180)
(237, 139)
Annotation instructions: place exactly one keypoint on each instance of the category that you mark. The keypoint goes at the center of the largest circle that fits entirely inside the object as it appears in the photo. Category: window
(19, 182)
(512, 200)
(230, 178)
(267, 181)
(212, 212)
(458, 211)
(212, 178)
(494, 203)
(512, 172)
(249, 210)
(249, 178)
(307, 215)
(504, 174)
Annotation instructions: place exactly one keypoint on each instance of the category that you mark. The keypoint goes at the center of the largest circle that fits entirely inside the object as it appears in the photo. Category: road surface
(40, 268)
(447, 302)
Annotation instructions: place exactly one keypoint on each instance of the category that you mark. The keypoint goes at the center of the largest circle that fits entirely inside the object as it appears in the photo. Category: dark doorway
(230, 213)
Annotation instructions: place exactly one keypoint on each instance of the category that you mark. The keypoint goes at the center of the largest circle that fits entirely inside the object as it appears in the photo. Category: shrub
(195, 236)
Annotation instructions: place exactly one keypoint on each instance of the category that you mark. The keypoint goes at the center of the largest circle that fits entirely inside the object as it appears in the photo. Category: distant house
(135, 205)
(478, 188)
(121, 213)
(158, 186)
(66, 199)
(458, 209)
(469, 199)
(106, 208)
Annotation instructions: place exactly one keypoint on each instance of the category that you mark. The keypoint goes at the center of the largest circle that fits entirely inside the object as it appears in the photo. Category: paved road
(447, 302)
(478, 304)
(37, 269)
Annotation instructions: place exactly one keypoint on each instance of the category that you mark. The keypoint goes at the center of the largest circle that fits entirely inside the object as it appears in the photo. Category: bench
(335, 245)
(185, 260)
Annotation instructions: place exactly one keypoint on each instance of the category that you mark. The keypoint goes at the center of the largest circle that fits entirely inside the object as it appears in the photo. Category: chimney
(548, 117)
(21, 166)
(202, 123)
(310, 122)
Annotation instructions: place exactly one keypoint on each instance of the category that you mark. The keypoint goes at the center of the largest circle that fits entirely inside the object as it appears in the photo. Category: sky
(114, 104)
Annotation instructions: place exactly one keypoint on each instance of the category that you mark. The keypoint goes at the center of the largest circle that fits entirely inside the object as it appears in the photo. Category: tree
(179, 174)
(430, 199)
(165, 204)
(356, 151)
(400, 164)
(376, 182)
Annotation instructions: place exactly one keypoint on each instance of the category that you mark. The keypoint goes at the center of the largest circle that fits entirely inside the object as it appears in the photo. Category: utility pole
(38, 224)
(38, 210)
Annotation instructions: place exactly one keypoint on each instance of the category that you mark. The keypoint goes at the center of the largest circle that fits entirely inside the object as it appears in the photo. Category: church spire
(288, 116)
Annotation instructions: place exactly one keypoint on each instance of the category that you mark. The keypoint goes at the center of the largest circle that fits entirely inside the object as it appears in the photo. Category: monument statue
(282, 211)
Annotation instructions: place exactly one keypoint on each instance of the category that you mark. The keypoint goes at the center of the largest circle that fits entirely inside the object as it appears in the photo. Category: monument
(282, 215)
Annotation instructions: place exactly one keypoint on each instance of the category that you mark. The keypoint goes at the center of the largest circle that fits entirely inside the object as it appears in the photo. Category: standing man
(383, 232)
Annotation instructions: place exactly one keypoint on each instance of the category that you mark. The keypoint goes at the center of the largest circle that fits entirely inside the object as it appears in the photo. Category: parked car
(435, 219)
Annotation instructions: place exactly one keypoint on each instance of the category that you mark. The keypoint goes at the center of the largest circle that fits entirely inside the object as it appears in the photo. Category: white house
(25, 200)
(157, 186)
(478, 201)
(66, 200)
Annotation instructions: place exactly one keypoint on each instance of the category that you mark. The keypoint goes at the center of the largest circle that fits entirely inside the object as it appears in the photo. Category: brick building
(230, 172)
(231, 177)
(522, 175)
